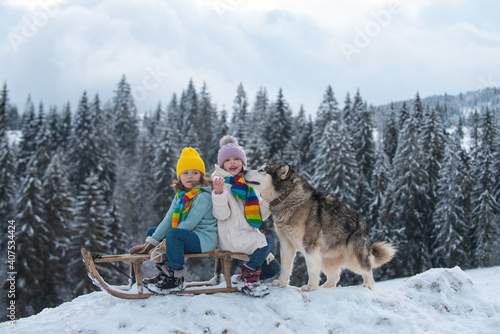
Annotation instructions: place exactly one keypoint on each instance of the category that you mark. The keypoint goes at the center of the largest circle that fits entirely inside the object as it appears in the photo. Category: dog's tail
(383, 253)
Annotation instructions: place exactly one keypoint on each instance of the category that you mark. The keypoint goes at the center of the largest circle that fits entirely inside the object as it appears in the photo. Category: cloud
(430, 47)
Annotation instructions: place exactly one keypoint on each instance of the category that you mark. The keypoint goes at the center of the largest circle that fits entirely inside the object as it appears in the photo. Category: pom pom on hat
(190, 159)
(229, 148)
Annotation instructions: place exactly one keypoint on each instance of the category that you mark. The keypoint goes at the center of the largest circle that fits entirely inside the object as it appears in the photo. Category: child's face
(233, 165)
(190, 178)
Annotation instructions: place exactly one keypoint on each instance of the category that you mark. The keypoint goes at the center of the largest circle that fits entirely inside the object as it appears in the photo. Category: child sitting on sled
(239, 216)
(188, 227)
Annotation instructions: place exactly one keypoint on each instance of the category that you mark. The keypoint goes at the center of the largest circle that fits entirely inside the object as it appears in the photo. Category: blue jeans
(258, 259)
(178, 242)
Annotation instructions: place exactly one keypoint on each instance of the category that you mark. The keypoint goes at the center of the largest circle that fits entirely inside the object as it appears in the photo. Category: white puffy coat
(235, 233)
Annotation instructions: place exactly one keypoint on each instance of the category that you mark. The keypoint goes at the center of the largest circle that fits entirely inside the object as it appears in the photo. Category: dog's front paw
(279, 283)
(308, 288)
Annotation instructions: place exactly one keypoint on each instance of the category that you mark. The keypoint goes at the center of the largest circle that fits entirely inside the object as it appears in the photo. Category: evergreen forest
(424, 173)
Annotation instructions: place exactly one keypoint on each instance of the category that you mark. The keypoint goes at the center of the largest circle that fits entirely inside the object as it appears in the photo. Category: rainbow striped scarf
(182, 208)
(244, 192)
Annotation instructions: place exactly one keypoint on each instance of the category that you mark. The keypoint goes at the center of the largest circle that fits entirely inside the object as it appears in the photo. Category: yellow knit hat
(190, 159)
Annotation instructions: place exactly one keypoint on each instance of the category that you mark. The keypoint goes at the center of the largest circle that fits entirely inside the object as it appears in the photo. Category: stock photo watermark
(487, 82)
(31, 24)
(11, 272)
(153, 78)
(363, 37)
(224, 6)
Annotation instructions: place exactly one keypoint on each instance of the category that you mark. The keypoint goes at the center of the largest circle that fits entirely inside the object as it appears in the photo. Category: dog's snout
(244, 172)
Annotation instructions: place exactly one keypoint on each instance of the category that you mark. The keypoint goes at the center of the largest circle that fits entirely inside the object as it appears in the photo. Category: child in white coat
(239, 215)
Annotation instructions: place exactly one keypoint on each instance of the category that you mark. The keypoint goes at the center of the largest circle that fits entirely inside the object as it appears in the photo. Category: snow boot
(155, 279)
(249, 283)
(165, 282)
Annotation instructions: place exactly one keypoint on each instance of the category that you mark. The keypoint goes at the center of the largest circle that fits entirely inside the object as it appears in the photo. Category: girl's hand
(218, 185)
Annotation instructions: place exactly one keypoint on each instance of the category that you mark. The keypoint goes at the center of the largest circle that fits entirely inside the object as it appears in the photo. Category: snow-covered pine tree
(58, 205)
(7, 166)
(106, 147)
(451, 244)
(27, 146)
(126, 126)
(418, 111)
(31, 244)
(433, 139)
(53, 123)
(43, 149)
(379, 184)
(328, 111)
(91, 231)
(351, 115)
(303, 138)
(208, 124)
(390, 133)
(7, 179)
(152, 119)
(336, 170)
(135, 198)
(409, 204)
(65, 128)
(485, 216)
(260, 113)
(240, 117)
(11, 113)
(404, 114)
(257, 151)
(279, 127)
(221, 129)
(83, 154)
(165, 164)
(120, 239)
(187, 118)
(291, 156)
(364, 196)
(496, 168)
(363, 143)
(474, 125)
(14, 118)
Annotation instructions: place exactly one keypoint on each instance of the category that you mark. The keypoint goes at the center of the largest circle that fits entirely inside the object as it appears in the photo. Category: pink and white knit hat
(229, 148)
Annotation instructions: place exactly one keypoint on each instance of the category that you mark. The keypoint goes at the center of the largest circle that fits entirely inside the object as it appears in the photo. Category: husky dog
(331, 236)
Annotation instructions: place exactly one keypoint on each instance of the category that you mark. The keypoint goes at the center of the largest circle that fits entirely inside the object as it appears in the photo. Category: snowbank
(436, 301)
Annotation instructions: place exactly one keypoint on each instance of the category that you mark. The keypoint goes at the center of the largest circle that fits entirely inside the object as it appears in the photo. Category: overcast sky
(389, 50)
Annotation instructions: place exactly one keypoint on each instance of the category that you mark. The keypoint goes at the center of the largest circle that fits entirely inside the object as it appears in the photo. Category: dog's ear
(285, 171)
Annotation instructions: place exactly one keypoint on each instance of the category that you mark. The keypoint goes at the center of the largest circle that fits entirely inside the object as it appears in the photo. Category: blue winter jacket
(200, 220)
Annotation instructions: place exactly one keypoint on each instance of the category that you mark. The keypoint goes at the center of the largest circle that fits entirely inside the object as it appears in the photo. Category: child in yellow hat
(188, 226)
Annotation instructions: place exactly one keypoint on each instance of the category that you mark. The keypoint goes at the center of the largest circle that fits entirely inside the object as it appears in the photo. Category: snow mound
(436, 301)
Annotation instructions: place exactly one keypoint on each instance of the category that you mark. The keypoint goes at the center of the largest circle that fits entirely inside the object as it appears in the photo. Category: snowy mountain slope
(436, 301)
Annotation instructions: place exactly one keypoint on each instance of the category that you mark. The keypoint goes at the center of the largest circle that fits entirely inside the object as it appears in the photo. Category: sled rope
(112, 266)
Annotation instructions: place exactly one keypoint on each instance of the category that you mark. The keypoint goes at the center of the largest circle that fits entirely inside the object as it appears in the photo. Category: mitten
(145, 248)
(158, 254)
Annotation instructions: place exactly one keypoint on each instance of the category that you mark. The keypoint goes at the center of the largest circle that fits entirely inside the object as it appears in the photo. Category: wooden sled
(135, 289)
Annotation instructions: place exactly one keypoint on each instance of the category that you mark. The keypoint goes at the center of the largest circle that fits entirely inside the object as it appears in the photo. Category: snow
(14, 136)
(436, 301)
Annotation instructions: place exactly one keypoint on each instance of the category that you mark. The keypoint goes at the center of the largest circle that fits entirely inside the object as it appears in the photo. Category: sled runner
(135, 290)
